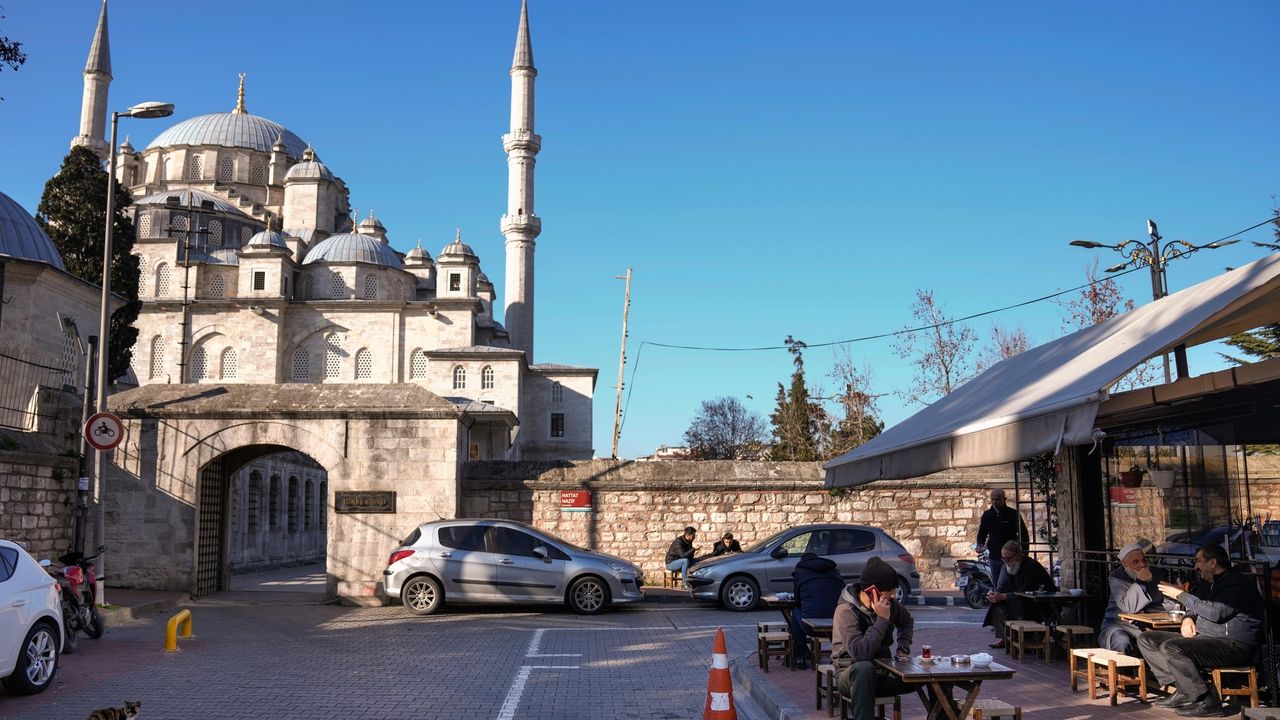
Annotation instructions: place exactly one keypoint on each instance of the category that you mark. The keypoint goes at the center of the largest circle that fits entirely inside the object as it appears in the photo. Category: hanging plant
(1043, 471)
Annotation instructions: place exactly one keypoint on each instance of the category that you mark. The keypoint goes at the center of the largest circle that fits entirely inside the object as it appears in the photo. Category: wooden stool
(1249, 690)
(826, 685)
(1009, 628)
(1075, 636)
(1114, 681)
(773, 644)
(1030, 636)
(881, 705)
(994, 708)
(671, 579)
(819, 650)
(771, 627)
(1076, 670)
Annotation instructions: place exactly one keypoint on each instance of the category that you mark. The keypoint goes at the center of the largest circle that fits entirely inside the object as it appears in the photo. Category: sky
(765, 168)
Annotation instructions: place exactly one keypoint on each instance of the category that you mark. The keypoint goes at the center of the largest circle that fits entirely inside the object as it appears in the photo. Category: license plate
(962, 581)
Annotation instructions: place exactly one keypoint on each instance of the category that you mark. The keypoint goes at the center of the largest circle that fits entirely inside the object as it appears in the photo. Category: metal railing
(24, 373)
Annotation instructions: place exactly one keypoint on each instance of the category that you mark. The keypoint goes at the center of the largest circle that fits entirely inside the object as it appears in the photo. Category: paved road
(264, 654)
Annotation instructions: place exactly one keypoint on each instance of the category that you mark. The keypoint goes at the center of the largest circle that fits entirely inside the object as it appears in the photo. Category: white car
(30, 622)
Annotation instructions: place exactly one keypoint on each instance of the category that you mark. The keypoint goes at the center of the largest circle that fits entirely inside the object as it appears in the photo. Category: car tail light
(399, 555)
(907, 558)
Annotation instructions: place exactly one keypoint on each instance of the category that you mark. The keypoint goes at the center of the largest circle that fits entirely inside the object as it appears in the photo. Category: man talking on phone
(866, 620)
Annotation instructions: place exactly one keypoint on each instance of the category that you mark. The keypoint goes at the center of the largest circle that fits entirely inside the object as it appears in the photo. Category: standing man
(1000, 524)
(1223, 628)
(863, 630)
(680, 554)
(1135, 588)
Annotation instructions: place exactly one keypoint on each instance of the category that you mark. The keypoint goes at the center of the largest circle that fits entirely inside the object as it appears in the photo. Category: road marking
(509, 706)
(534, 644)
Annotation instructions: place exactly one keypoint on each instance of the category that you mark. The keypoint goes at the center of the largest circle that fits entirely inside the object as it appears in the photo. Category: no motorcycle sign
(104, 431)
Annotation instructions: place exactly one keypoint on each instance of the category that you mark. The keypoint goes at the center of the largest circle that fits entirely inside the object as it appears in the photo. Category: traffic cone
(719, 686)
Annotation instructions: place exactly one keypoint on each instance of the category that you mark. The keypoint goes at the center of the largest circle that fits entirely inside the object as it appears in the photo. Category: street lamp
(141, 110)
(1140, 253)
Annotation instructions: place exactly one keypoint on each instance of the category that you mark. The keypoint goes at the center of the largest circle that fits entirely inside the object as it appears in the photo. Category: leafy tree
(11, 53)
(1004, 345)
(860, 420)
(724, 429)
(940, 351)
(1099, 301)
(72, 212)
(799, 423)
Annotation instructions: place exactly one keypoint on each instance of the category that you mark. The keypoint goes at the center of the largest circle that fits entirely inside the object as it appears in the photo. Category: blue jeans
(680, 565)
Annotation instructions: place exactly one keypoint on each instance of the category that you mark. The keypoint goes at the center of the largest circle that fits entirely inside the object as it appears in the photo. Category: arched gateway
(166, 486)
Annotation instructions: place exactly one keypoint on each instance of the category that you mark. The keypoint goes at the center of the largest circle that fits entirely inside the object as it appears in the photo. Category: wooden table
(786, 605)
(819, 627)
(943, 677)
(1152, 620)
(1050, 603)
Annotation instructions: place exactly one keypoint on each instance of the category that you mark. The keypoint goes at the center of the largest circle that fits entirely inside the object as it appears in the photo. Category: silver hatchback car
(504, 561)
(737, 580)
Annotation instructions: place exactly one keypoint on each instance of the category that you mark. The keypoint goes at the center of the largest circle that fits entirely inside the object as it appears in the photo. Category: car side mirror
(778, 553)
(541, 551)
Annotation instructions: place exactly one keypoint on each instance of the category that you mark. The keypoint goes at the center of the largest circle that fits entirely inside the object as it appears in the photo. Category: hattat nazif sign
(575, 501)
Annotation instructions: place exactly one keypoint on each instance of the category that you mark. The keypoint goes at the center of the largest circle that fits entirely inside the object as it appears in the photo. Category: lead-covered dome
(310, 168)
(268, 239)
(22, 237)
(353, 247)
(181, 199)
(231, 129)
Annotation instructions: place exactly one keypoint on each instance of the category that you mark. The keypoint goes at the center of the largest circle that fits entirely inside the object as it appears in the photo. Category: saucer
(920, 660)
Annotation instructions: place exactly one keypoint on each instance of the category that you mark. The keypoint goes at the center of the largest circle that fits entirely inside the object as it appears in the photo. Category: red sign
(575, 501)
(104, 431)
(1124, 497)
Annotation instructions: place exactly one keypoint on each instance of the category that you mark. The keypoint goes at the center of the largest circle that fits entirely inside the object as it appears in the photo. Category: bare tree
(940, 352)
(724, 429)
(1102, 300)
(1004, 345)
(860, 420)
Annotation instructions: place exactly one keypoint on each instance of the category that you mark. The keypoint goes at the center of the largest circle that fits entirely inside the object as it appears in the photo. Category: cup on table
(926, 652)
(1177, 615)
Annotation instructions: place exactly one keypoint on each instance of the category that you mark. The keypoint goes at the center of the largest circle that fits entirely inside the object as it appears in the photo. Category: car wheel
(740, 593)
(422, 595)
(904, 590)
(37, 661)
(588, 595)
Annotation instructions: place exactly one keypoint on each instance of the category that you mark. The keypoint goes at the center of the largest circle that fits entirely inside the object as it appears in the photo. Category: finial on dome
(240, 98)
(419, 243)
(457, 235)
(371, 217)
(355, 219)
(309, 155)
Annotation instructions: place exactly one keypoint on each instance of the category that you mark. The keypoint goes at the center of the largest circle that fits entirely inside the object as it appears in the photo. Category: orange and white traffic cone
(719, 686)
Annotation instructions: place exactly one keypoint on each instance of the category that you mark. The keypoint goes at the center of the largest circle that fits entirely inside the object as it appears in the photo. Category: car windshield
(766, 542)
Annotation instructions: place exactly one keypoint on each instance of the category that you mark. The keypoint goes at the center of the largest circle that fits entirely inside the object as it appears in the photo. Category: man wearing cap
(726, 545)
(1135, 588)
(863, 629)
(1000, 524)
(680, 554)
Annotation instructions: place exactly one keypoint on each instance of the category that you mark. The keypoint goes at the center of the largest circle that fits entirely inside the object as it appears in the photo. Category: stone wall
(37, 501)
(639, 507)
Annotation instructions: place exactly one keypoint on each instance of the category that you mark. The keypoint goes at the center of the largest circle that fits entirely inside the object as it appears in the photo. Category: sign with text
(575, 501)
(1124, 497)
(364, 501)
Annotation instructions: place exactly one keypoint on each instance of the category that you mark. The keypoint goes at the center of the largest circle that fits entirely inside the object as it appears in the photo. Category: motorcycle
(78, 581)
(973, 577)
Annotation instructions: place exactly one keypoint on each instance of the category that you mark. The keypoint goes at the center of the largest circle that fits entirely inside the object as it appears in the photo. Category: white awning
(1048, 396)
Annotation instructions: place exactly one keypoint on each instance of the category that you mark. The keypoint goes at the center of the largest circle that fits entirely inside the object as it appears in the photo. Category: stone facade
(37, 500)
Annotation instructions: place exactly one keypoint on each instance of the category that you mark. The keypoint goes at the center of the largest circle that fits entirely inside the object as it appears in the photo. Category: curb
(939, 600)
(128, 613)
(773, 704)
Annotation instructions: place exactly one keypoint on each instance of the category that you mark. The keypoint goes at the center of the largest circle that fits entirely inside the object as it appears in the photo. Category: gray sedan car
(738, 579)
(504, 561)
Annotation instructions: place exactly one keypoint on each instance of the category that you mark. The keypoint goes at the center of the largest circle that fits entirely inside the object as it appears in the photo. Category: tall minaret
(97, 77)
(520, 225)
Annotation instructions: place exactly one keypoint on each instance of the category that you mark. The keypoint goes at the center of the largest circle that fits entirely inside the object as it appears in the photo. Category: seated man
(726, 545)
(1021, 574)
(864, 625)
(1134, 589)
(1223, 628)
(818, 585)
(680, 554)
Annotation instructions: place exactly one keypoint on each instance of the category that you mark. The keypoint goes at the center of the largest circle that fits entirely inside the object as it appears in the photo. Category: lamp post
(142, 110)
(1140, 253)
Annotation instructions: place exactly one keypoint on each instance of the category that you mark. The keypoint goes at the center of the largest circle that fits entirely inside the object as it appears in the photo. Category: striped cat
(128, 712)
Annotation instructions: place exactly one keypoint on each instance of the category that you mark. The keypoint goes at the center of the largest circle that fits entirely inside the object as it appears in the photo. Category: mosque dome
(22, 237)
(267, 239)
(309, 169)
(418, 256)
(459, 249)
(353, 247)
(231, 129)
(221, 256)
(194, 198)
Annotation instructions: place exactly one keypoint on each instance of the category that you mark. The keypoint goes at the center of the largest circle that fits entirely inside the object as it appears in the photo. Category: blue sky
(767, 168)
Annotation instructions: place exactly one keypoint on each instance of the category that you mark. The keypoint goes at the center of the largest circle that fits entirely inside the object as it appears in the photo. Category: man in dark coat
(1223, 628)
(866, 620)
(680, 554)
(1021, 574)
(818, 585)
(999, 524)
(726, 545)
(1134, 589)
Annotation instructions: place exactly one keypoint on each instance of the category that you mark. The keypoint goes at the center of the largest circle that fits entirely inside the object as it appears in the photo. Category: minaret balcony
(523, 224)
(522, 140)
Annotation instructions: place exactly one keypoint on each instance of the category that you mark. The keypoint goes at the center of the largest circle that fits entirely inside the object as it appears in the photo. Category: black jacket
(1230, 607)
(680, 548)
(1031, 576)
(859, 634)
(998, 528)
(721, 549)
(818, 585)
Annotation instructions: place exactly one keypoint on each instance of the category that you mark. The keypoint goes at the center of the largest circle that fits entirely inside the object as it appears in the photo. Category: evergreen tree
(799, 423)
(72, 212)
(1263, 343)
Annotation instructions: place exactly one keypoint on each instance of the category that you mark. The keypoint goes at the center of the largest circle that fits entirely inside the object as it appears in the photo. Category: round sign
(104, 431)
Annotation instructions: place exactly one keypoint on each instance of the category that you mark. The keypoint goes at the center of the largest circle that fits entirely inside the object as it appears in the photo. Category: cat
(128, 712)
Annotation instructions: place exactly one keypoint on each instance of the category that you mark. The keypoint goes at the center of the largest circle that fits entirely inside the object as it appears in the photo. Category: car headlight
(700, 572)
(620, 568)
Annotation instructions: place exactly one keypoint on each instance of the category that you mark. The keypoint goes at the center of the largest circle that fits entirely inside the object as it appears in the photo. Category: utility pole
(82, 474)
(622, 363)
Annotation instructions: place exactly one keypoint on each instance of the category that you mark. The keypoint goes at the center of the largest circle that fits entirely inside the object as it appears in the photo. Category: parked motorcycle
(973, 577)
(78, 582)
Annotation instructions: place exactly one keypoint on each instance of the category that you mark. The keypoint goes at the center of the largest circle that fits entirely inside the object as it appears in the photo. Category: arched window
(217, 288)
(246, 233)
(199, 366)
(338, 288)
(177, 225)
(370, 287)
(306, 288)
(196, 170)
(400, 289)
(301, 365)
(168, 169)
(162, 280)
(144, 275)
(215, 233)
(459, 377)
(332, 355)
(418, 365)
(157, 357)
(227, 368)
(225, 169)
(486, 378)
(257, 173)
(309, 507)
(364, 364)
(144, 225)
(293, 504)
(273, 504)
(557, 392)
(255, 493)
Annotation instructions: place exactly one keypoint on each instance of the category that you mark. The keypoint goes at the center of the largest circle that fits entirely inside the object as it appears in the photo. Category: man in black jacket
(1021, 574)
(1223, 628)
(863, 629)
(818, 584)
(999, 524)
(726, 545)
(680, 554)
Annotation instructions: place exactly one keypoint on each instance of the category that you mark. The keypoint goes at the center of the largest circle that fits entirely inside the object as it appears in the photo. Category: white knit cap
(1124, 551)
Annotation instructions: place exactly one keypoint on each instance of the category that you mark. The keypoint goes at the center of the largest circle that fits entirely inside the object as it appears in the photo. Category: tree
(1264, 342)
(72, 212)
(940, 351)
(1099, 301)
(724, 429)
(798, 422)
(1004, 345)
(11, 53)
(860, 419)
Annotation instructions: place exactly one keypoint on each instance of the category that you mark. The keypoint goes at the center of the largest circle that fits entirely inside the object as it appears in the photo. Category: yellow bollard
(182, 617)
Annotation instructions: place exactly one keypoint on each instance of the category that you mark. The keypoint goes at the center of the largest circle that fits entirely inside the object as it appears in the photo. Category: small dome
(126, 147)
(231, 129)
(458, 249)
(353, 247)
(484, 279)
(194, 198)
(309, 169)
(22, 237)
(372, 223)
(418, 256)
(268, 239)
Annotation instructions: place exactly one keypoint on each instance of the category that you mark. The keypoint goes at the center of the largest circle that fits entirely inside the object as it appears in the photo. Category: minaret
(97, 77)
(520, 225)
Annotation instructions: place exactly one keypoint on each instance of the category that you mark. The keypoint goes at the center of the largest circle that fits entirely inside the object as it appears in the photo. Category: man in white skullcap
(1134, 589)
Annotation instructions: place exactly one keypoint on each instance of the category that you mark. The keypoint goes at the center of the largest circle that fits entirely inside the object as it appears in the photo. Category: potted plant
(1162, 478)
(1131, 477)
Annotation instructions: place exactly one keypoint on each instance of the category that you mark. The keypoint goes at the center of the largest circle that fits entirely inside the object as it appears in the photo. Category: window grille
(557, 392)
(273, 504)
(459, 377)
(177, 225)
(215, 233)
(400, 289)
(370, 287)
(455, 282)
(157, 357)
(246, 232)
(259, 280)
(293, 504)
(339, 288)
(332, 359)
(196, 171)
(301, 365)
(144, 225)
(306, 287)
(143, 275)
(418, 365)
(364, 364)
(199, 369)
(557, 425)
(255, 492)
(257, 173)
(225, 169)
(218, 288)
(229, 365)
(309, 506)
(324, 500)
(486, 378)
(162, 280)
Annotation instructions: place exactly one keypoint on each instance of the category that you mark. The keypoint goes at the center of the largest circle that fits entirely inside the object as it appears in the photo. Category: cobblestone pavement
(282, 655)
